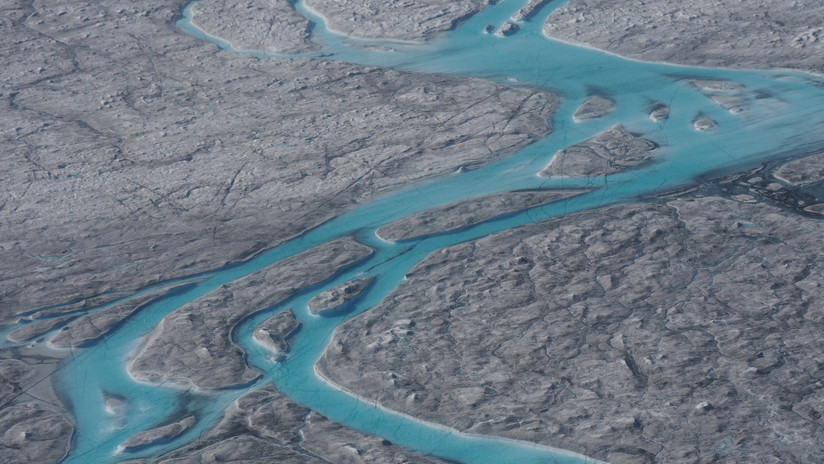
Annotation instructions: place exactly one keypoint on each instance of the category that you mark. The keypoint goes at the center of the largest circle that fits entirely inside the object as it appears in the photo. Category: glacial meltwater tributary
(782, 119)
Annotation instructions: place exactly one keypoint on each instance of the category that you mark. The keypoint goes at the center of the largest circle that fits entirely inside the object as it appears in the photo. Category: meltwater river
(783, 118)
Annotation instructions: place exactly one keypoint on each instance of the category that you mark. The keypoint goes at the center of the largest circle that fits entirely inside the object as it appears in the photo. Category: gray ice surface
(92, 326)
(134, 153)
(265, 427)
(193, 345)
(802, 171)
(396, 19)
(164, 432)
(594, 107)
(268, 26)
(276, 331)
(723, 33)
(469, 212)
(33, 432)
(680, 330)
(727, 94)
(607, 153)
(341, 294)
(527, 11)
(36, 329)
(507, 28)
(659, 112)
(703, 123)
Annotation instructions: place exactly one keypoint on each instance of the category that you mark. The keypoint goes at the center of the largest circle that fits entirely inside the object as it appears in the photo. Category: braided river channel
(783, 119)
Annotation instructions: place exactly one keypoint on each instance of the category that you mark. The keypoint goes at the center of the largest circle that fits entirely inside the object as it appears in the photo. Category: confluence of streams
(526, 58)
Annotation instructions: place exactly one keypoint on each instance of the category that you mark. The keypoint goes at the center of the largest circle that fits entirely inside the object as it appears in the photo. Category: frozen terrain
(654, 332)
(728, 33)
(338, 231)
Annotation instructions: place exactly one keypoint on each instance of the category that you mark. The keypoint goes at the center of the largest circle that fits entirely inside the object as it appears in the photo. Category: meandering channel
(782, 119)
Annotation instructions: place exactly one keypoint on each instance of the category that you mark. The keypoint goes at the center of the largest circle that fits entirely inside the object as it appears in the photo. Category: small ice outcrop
(659, 113)
(704, 124)
(732, 103)
(528, 10)
(726, 94)
(703, 406)
(336, 297)
(714, 85)
(115, 405)
(166, 432)
(275, 333)
(594, 107)
(507, 28)
(612, 151)
(802, 171)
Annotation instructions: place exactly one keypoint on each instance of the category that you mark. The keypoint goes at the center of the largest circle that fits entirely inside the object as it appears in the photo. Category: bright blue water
(782, 119)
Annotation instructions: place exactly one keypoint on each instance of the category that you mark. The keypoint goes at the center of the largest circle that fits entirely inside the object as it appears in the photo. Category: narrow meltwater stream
(781, 120)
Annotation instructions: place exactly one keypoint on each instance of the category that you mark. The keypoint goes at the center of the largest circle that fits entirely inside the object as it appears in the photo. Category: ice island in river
(379, 231)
